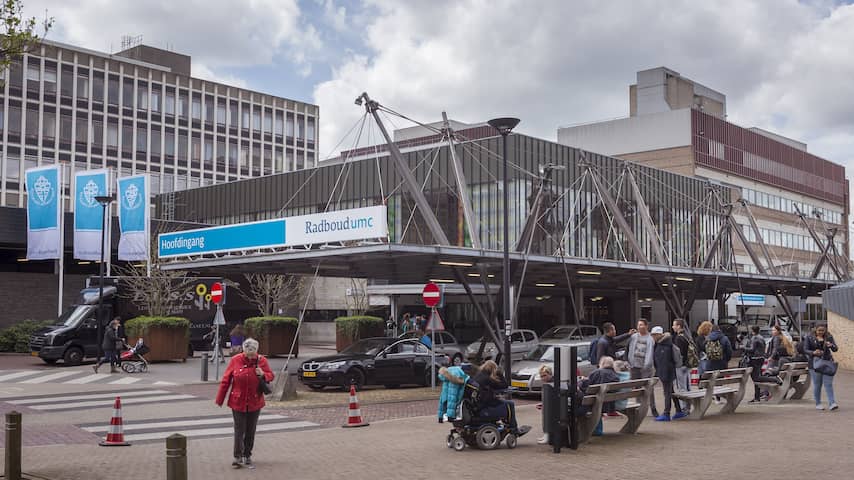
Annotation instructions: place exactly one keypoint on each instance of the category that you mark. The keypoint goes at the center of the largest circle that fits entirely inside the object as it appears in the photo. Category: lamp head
(504, 125)
(105, 200)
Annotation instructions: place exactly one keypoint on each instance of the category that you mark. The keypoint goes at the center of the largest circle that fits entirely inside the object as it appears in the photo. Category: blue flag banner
(89, 214)
(133, 199)
(44, 213)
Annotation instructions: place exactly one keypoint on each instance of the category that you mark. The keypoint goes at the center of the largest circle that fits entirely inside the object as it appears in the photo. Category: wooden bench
(788, 373)
(638, 391)
(730, 384)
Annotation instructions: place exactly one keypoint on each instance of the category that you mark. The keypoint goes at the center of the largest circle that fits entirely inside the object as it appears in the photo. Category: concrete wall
(317, 332)
(634, 134)
(842, 330)
(32, 296)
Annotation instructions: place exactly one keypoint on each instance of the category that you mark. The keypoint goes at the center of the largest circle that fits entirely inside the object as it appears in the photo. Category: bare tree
(272, 293)
(357, 297)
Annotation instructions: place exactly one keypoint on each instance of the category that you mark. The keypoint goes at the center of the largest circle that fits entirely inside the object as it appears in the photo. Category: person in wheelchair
(490, 380)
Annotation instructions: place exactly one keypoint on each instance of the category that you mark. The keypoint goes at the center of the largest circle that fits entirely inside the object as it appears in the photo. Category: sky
(785, 66)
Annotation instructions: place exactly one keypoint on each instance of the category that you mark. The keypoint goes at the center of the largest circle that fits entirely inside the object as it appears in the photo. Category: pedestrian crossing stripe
(74, 377)
(49, 403)
(196, 427)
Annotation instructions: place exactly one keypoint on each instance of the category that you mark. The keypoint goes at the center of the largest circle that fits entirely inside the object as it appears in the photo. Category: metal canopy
(406, 263)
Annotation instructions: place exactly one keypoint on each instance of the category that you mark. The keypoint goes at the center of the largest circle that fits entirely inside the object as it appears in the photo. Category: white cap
(656, 330)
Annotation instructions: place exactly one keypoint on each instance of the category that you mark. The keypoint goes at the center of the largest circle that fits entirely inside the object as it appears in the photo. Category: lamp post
(504, 127)
(105, 202)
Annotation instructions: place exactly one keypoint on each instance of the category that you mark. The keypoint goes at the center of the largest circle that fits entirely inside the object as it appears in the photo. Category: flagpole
(61, 207)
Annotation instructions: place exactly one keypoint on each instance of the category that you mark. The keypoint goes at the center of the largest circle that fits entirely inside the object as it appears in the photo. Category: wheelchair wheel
(511, 441)
(488, 437)
(450, 440)
(459, 444)
(127, 367)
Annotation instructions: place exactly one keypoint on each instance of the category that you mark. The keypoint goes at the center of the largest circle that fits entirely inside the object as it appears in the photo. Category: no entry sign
(216, 293)
(431, 295)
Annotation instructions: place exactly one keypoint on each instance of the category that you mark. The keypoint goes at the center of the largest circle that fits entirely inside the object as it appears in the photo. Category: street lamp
(504, 127)
(105, 202)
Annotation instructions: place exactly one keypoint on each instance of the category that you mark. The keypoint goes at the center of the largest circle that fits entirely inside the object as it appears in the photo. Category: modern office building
(136, 111)
(681, 126)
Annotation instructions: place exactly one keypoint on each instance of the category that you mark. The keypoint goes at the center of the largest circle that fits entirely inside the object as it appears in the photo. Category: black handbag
(263, 386)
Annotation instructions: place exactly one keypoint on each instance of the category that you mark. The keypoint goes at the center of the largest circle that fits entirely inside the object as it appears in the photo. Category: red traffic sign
(216, 293)
(431, 295)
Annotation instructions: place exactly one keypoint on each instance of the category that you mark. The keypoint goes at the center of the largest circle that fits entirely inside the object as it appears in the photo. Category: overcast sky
(784, 65)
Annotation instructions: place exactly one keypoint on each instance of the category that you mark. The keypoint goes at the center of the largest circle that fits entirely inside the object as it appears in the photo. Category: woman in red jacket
(245, 400)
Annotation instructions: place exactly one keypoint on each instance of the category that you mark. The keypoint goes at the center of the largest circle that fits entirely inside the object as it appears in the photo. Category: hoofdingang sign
(338, 226)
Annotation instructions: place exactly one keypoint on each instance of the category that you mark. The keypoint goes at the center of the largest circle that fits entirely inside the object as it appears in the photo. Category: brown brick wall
(676, 160)
(842, 330)
(26, 296)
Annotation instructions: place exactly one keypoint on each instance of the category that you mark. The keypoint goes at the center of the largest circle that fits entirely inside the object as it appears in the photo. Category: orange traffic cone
(695, 377)
(354, 416)
(115, 436)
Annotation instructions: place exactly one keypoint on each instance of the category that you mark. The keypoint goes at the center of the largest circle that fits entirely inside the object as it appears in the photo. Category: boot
(95, 367)
(114, 369)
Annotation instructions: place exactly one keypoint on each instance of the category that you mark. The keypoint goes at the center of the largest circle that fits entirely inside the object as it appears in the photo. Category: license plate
(519, 384)
(35, 354)
(309, 374)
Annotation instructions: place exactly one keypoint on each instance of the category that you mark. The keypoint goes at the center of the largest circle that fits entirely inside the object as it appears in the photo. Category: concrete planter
(349, 330)
(274, 334)
(167, 338)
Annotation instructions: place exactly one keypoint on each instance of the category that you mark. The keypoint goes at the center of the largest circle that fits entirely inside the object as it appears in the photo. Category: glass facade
(87, 110)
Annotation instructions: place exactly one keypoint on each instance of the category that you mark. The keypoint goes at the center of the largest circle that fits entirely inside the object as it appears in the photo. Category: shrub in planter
(348, 330)
(274, 334)
(167, 337)
(17, 337)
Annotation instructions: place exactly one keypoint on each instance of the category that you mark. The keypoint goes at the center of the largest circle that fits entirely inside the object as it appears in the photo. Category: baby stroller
(486, 433)
(133, 360)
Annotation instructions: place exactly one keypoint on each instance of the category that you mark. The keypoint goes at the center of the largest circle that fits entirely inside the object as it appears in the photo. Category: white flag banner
(89, 214)
(44, 213)
(133, 198)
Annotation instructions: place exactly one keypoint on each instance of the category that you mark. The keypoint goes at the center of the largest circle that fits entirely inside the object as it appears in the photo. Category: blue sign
(88, 213)
(750, 299)
(42, 198)
(134, 204)
(270, 233)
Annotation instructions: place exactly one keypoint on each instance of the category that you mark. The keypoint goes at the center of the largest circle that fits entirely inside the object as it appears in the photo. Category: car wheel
(49, 361)
(73, 356)
(459, 444)
(458, 360)
(354, 377)
(316, 387)
(511, 441)
(488, 437)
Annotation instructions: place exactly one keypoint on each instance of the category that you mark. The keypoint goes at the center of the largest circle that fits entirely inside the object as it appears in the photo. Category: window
(208, 151)
(155, 141)
(183, 105)
(300, 127)
(82, 85)
(197, 108)
(16, 74)
(244, 155)
(13, 167)
(310, 128)
(49, 79)
(220, 152)
(15, 120)
(113, 91)
(155, 98)
(97, 88)
(127, 139)
(65, 128)
(279, 162)
(182, 147)
(66, 86)
(127, 93)
(245, 118)
(112, 134)
(196, 154)
(232, 154)
(209, 110)
(280, 123)
(49, 126)
(170, 144)
(220, 114)
(268, 122)
(141, 140)
(256, 159)
(290, 125)
(32, 123)
(82, 134)
(142, 97)
(34, 72)
(97, 133)
(256, 120)
(233, 115)
(2, 115)
(169, 107)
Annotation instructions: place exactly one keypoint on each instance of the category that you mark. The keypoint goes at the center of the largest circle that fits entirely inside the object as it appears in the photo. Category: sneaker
(834, 406)
(613, 414)
(237, 462)
(755, 400)
(543, 440)
(662, 418)
(247, 462)
(444, 418)
(679, 415)
(819, 407)
(95, 367)
(523, 430)
(655, 413)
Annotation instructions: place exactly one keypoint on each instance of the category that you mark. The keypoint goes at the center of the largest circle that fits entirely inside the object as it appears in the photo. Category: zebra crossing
(76, 377)
(80, 401)
(155, 430)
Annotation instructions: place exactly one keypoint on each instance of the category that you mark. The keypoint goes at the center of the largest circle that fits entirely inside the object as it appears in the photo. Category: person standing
(640, 357)
(756, 357)
(690, 359)
(236, 337)
(820, 346)
(667, 358)
(243, 375)
(718, 350)
(109, 344)
(606, 346)
(405, 324)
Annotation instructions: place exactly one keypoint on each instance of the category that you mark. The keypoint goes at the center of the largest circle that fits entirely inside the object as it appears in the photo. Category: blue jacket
(453, 386)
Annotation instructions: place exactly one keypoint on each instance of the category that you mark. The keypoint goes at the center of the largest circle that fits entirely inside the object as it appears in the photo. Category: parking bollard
(13, 446)
(205, 367)
(176, 457)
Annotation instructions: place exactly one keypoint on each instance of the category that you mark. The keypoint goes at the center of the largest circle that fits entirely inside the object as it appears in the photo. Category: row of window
(786, 239)
(825, 274)
(783, 204)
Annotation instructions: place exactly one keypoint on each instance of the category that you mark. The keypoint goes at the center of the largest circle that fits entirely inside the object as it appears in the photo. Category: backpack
(714, 350)
(692, 358)
(591, 354)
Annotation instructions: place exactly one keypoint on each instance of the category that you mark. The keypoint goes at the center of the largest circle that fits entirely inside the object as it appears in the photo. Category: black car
(372, 361)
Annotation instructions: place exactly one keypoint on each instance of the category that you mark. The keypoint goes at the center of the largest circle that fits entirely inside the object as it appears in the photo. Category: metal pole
(505, 283)
(573, 387)
(216, 354)
(555, 434)
(176, 457)
(432, 349)
(100, 314)
(13, 446)
(61, 265)
(205, 367)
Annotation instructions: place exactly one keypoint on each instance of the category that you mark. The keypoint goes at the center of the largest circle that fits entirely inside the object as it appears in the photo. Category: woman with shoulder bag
(819, 348)
(247, 374)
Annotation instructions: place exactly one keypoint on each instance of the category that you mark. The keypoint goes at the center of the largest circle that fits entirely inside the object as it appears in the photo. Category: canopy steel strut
(824, 249)
(373, 107)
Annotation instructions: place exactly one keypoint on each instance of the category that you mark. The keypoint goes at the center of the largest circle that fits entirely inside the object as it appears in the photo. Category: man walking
(690, 359)
(640, 357)
(667, 360)
(606, 346)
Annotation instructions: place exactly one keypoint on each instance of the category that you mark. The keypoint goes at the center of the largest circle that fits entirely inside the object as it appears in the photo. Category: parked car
(525, 376)
(521, 342)
(571, 332)
(444, 343)
(373, 361)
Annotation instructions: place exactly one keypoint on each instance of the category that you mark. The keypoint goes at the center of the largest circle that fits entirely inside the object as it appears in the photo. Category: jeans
(668, 397)
(757, 377)
(111, 356)
(244, 432)
(638, 373)
(817, 380)
(504, 409)
(683, 384)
